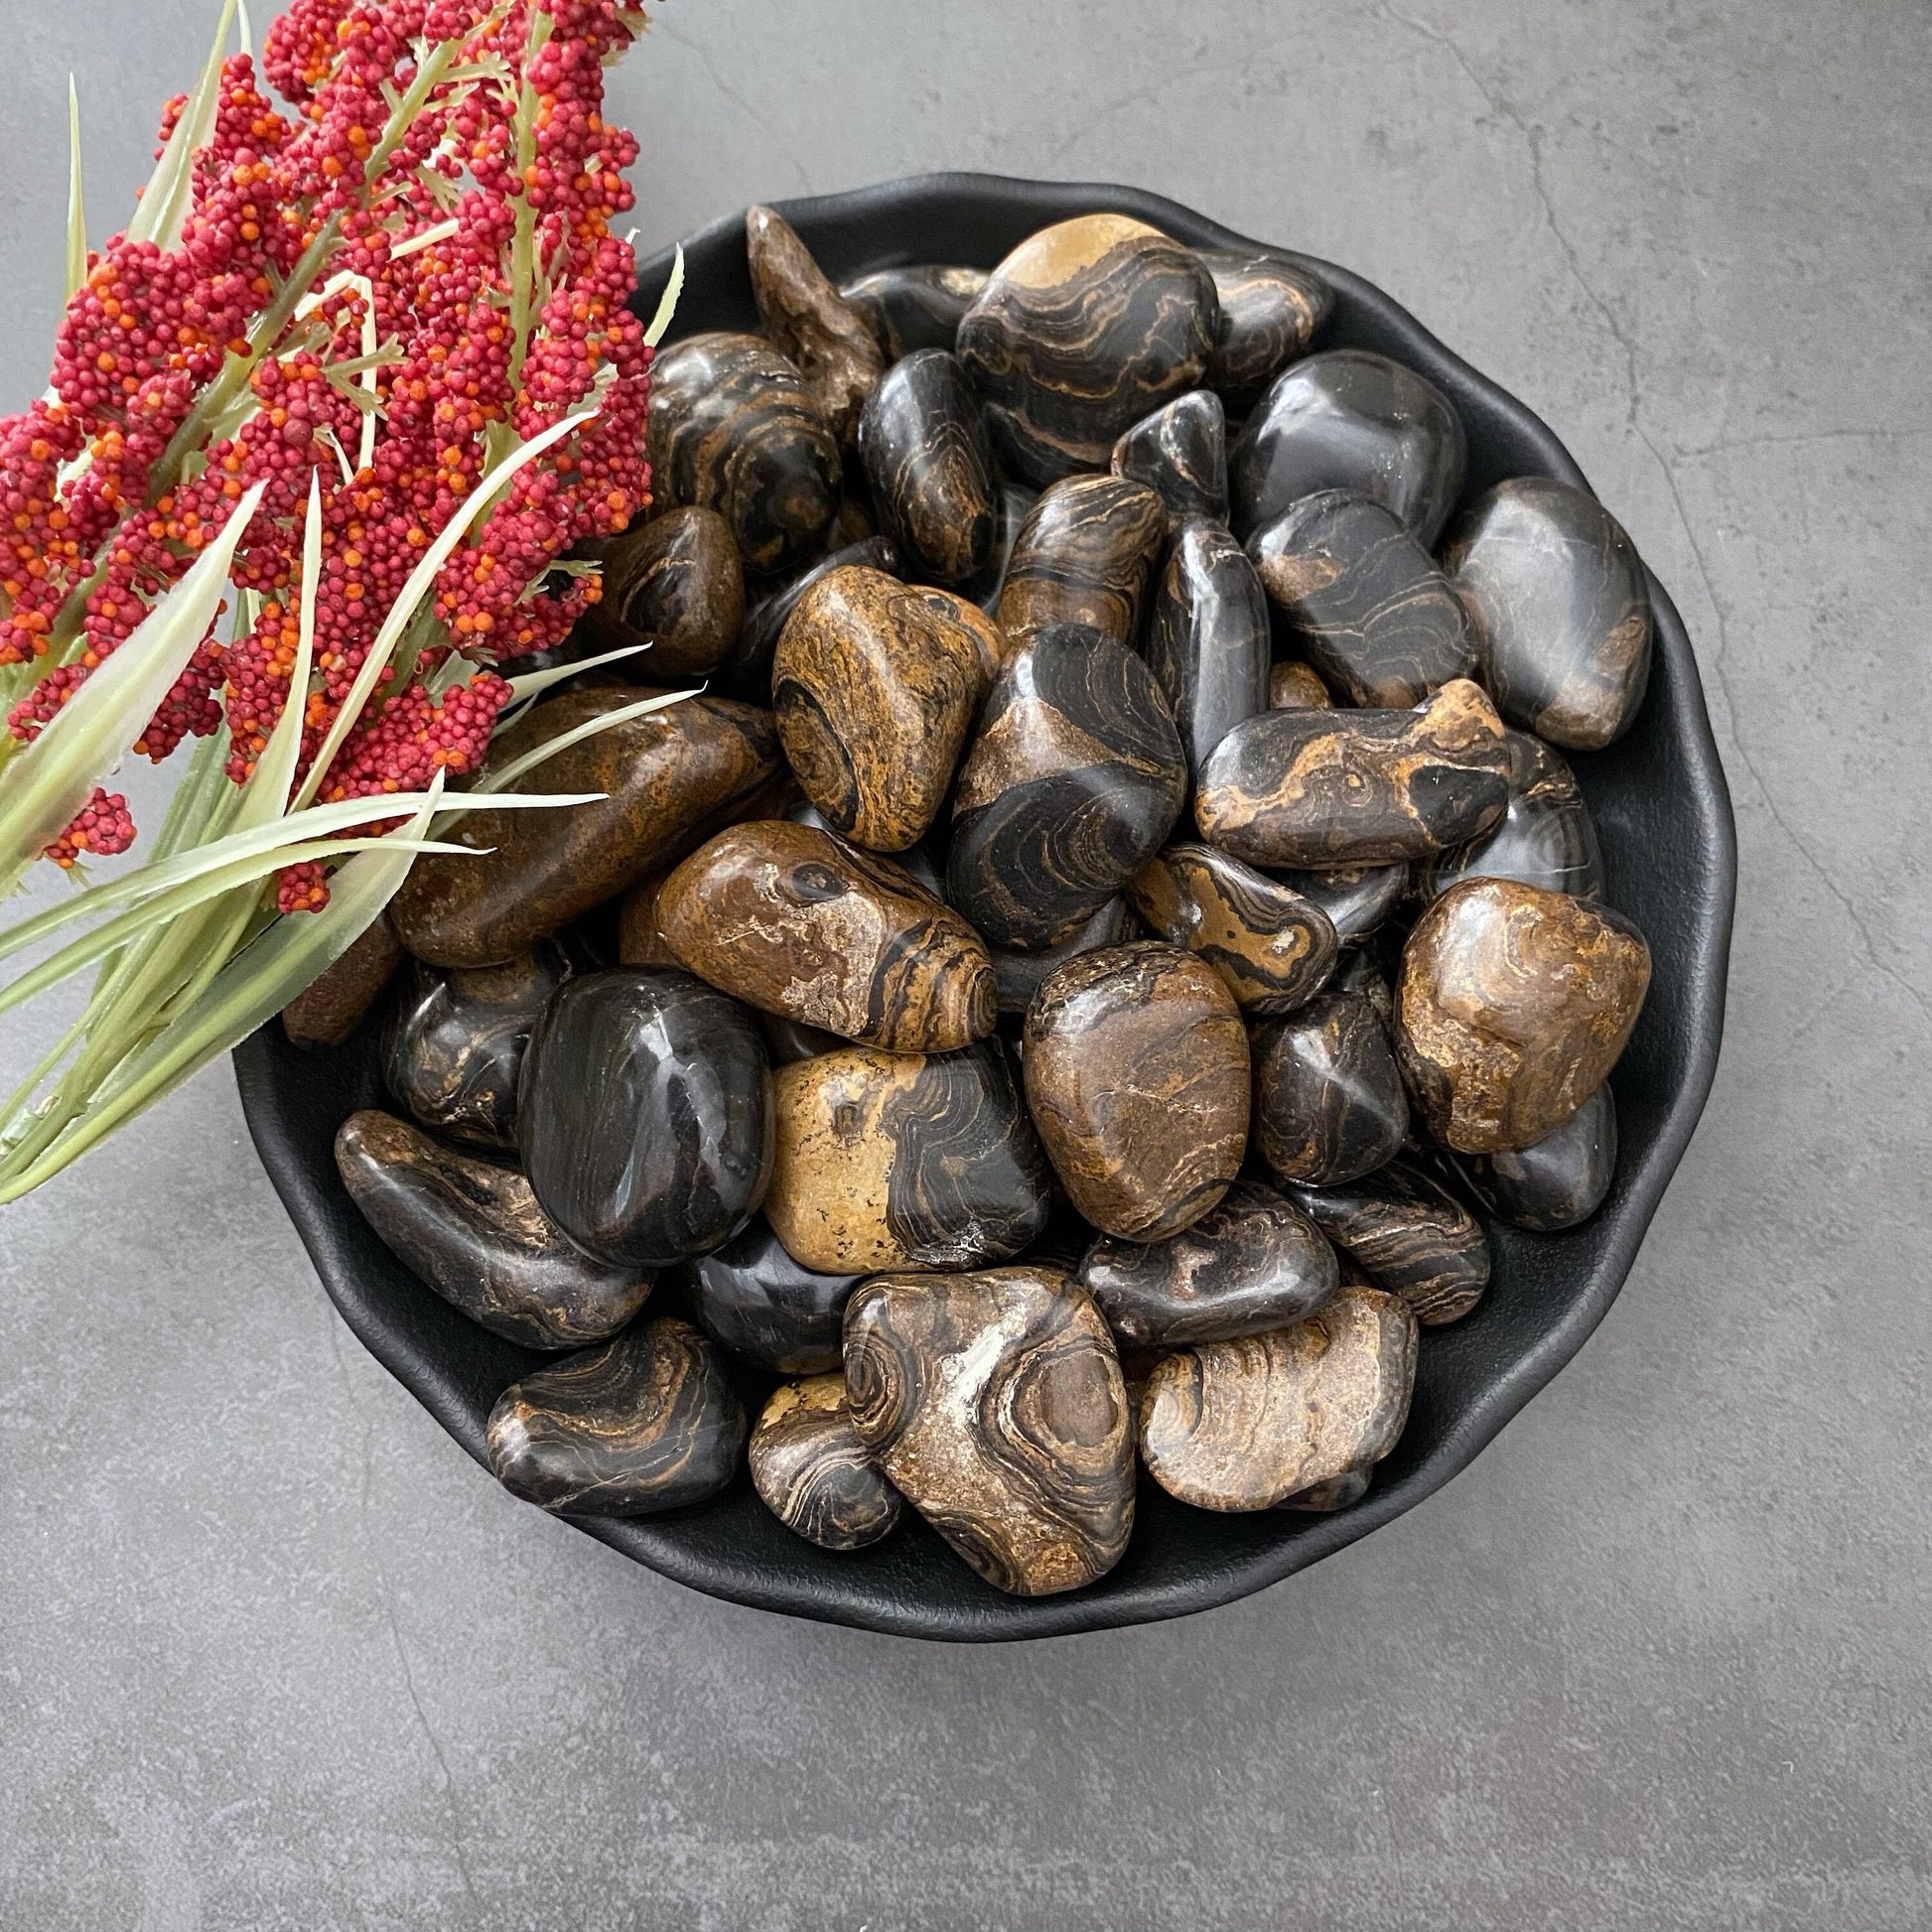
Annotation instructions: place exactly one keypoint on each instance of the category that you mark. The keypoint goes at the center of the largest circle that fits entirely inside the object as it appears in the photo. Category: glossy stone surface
(1084, 555)
(331, 1008)
(645, 1123)
(875, 690)
(1135, 1064)
(1512, 1007)
(1272, 947)
(1252, 1262)
(1017, 975)
(734, 428)
(994, 1403)
(1328, 1099)
(1409, 1237)
(452, 1049)
(751, 1298)
(1338, 1492)
(1270, 312)
(829, 340)
(747, 670)
(1181, 452)
(992, 644)
(668, 778)
(1207, 636)
(1560, 602)
(1084, 329)
(1358, 899)
(675, 583)
(1546, 836)
(914, 307)
(1013, 504)
(473, 1231)
(922, 441)
(905, 1161)
(799, 923)
(1349, 419)
(788, 1041)
(1365, 603)
(918, 860)
(814, 1473)
(1555, 1182)
(1076, 777)
(1294, 686)
(641, 937)
(1246, 1423)
(1321, 788)
(645, 1422)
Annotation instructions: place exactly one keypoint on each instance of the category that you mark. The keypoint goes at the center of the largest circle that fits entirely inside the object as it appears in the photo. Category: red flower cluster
(391, 285)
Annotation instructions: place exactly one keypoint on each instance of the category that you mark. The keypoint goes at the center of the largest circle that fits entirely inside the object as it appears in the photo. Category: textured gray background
(274, 1654)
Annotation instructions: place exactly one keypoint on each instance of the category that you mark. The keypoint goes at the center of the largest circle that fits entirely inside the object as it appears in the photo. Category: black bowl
(1664, 813)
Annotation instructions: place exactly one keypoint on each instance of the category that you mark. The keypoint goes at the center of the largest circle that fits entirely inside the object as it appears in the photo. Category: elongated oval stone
(828, 340)
(1512, 1008)
(646, 1122)
(734, 428)
(1294, 686)
(1181, 452)
(905, 1161)
(668, 778)
(1546, 836)
(922, 441)
(473, 1231)
(643, 1424)
(914, 307)
(1084, 329)
(1358, 899)
(1271, 309)
(1555, 1182)
(1560, 605)
(1409, 1237)
(747, 670)
(1207, 638)
(1274, 947)
(327, 1010)
(813, 1471)
(1316, 789)
(1017, 975)
(1136, 1066)
(1349, 419)
(1075, 777)
(676, 584)
(994, 1403)
(1328, 1100)
(1246, 1424)
(797, 922)
(875, 689)
(1252, 1262)
(1365, 603)
(751, 1298)
(1083, 556)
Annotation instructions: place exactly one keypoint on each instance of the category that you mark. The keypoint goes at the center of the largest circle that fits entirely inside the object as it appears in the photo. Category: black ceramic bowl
(1661, 806)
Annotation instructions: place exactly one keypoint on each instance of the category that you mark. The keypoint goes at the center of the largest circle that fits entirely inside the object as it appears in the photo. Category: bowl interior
(1664, 817)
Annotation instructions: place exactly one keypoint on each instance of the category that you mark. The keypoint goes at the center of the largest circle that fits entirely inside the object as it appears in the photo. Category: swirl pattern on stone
(828, 340)
(1555, 1182)
(914, 307)
(814, 1473)
(676, 584)
(1271, 309)
(1546, 836)
(1409, 1237)
(1083, 556)
(1181, 452)
(923, 446)
(1329, 1105)
(751, 1298)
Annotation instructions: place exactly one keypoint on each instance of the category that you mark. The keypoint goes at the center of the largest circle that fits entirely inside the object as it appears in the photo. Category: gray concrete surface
(273, 1654)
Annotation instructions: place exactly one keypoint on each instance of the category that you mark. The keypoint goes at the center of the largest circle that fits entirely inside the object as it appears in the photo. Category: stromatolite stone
(1270, 310)
(1135, 1064)
(1253, 1263)
(331, 1008)
(1294, 686)
(919, 306)
(734, 428)
(645, 1422)
(1546, 836)
(1084, 329)
(473, 1230)
(923, 446)
(1349, 419)
(1513, 1006)
(797, 922)
(875, 689)
(1555, 1183)
(667, 778)
(1246, 1423)
(992, 644)
(1181, 452)
(747, 670)
(1357, 899)
(1365, 603)
(1075, 777)
(1319, 789)
(828, 340)
(814, 1473)
(1328, 1100)
(1407, 1236)
(1558, 594)
(676, 584)
(1207, 638)
(646, 1122)
(1083, 556)
(925, 862)
(905, 1161)
(751, 1298)
(994, 1403)
(1017, 974)
(452, 1049)
(1274, 947)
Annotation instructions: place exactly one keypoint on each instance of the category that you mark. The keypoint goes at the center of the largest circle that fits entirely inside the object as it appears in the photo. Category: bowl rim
(1509, 1385)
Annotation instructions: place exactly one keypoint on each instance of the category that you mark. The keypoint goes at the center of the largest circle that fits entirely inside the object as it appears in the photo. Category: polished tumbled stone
(916, 306)
(1329, 1104)
(754, 1300)
(676, 584)
(923, 446)
(1271, 309)
(1181, 452)
(1409, 1237)
(1084, 555)
(828, 339)
(1207, 636)
(813, 1471)
(1546, 836)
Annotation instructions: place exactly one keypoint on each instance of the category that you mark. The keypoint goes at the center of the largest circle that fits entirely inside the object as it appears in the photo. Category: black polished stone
(916, 308)
(1271, 309)
(1555, 1183)
(1546, 836)
(1013, 504)
(1329, 1105)
(747, 672)
(1207, 636)
(1409, 1237)
(1357, 899)
(751, 1298)
(1016, 975)
(923, 442)
(1181, 452)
